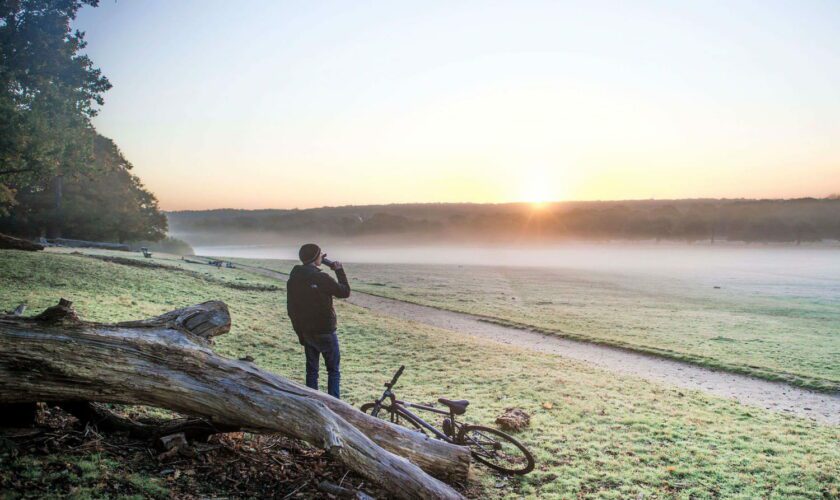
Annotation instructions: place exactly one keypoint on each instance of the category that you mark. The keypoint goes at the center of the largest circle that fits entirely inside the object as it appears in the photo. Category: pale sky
(309, 103)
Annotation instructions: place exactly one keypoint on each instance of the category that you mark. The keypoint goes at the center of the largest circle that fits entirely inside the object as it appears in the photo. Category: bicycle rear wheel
(386, 412)
(497, 450)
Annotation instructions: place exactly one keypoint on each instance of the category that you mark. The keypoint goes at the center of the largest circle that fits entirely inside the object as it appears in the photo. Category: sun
(537, 195)
(542, 185)
(536, 192)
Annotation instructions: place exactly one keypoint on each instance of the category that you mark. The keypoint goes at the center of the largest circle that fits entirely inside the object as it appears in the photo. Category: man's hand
(337, 265)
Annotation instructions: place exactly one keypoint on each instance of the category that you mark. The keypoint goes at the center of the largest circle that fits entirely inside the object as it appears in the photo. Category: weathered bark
(166, 362)
(108, 421)
(11, 243)
(205, 320)
(341, 492)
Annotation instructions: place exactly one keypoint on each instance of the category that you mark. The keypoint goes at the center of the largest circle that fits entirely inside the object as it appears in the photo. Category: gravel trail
(775, 396)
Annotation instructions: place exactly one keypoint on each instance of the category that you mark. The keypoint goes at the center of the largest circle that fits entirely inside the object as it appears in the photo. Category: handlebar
(396, 376)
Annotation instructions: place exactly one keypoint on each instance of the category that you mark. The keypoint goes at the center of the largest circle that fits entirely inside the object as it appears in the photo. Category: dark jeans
(327, 345)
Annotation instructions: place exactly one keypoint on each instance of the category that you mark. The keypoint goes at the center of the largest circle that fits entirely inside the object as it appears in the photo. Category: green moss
(146, 486)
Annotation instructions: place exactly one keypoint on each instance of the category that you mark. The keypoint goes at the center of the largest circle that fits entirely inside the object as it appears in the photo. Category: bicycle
(491, 447)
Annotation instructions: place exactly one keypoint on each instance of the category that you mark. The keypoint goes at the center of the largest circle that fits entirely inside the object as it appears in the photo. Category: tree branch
(17, 170)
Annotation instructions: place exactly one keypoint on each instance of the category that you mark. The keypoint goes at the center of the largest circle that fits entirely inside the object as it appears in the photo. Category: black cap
(309, 252)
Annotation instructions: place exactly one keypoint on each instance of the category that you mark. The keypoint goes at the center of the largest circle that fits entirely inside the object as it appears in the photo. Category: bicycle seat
(457, 406)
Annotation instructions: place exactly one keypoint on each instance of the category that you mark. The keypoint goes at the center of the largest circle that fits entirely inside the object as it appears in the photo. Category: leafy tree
(55, 170)
(48, 93)
(106, 202)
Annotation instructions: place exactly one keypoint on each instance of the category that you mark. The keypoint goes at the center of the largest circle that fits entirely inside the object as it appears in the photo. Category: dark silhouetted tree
(106, 202)
(48, 93)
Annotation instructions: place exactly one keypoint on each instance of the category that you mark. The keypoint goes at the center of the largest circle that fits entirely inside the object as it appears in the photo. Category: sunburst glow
(457, 101)
(538, 187)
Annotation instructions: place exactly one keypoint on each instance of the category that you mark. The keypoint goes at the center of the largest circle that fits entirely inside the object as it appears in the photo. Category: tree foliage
(55, 170)
(49, 91)
(107, 202)
(798, 220)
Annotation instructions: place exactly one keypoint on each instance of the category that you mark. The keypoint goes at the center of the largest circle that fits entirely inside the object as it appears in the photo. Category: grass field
(601, 436)
(779, 329)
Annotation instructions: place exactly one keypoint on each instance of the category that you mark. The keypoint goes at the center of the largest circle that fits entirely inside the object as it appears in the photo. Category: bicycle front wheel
(386, 412)
(497, 450)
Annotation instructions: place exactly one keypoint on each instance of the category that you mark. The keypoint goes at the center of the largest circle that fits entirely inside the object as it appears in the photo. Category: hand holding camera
(332, 264)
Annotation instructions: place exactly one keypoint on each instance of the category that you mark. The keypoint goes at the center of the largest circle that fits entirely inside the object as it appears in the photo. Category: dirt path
(776, 396)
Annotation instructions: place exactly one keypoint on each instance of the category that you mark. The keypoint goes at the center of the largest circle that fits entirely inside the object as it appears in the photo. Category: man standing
(309, 301)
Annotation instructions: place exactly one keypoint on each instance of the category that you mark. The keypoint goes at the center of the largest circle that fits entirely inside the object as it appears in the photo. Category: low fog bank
(821, 262)
(234, 237)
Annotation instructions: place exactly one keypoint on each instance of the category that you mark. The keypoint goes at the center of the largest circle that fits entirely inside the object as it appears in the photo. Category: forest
(792, 221)
(58, 176)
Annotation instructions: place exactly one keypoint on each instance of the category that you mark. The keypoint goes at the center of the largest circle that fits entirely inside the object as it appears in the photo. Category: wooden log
(205, 320)
(11, 243)
(166, 362)
(109, 421)
(212, 319)
(447, 462)
(342, 492)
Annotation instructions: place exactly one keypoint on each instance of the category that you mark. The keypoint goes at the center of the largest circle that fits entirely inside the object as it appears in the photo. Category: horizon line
(829, 197)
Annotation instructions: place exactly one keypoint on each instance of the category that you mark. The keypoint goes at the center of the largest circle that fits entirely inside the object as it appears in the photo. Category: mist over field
(816, 261)
(747, 285)
(767, 310)
(797, 273)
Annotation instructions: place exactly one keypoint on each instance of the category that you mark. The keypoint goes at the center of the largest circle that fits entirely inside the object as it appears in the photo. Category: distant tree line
(58, 176)
(797, 220)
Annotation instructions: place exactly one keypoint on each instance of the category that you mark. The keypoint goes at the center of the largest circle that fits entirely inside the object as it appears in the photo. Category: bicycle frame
(484, 442)
(401, 407)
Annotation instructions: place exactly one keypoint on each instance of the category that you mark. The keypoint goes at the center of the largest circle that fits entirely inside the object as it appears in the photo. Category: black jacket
(309, 299)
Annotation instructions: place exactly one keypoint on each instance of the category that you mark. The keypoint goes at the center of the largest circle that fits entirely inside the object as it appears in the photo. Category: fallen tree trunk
(166, 362)
(108, 421)
(11, 243)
